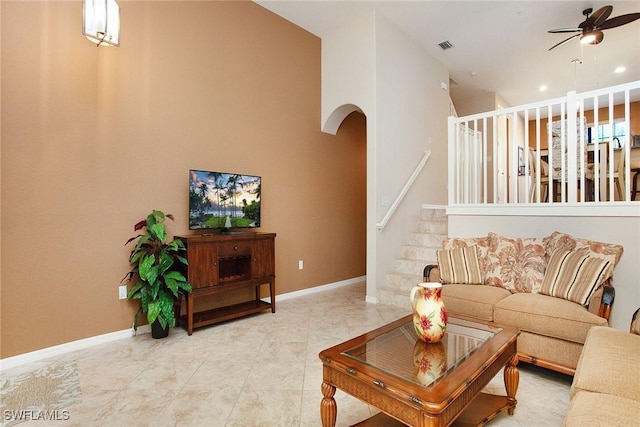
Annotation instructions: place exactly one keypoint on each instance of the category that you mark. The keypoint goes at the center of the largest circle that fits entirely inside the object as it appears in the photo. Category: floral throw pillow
(515, 264)
(607, 251)
(557, 240)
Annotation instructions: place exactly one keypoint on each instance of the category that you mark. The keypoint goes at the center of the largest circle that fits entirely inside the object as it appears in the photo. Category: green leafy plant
(155, 270)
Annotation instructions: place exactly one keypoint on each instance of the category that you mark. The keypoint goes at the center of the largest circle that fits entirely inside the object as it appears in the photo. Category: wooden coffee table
(421, 384)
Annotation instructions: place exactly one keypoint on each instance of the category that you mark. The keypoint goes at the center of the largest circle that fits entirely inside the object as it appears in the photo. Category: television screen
(223, 200)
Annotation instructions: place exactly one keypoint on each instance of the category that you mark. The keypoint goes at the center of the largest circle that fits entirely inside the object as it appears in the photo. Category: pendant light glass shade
(101, 22)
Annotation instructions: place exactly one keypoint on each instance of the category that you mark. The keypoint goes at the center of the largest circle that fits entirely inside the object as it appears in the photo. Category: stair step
(419, 251)
(409, 267)
(402, 282)
(428, 240)
(434, 215)
(430, 227)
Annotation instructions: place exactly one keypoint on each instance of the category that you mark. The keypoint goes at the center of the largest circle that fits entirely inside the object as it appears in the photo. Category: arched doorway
(352, 130)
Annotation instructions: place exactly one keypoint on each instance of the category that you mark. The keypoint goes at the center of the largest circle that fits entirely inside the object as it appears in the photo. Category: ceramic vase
(429, 313)
(429, 361)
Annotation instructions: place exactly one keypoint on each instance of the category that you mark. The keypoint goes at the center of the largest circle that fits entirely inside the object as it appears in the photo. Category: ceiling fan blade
(600, 15)
(565, 30)
(564, 41)
(619, 20)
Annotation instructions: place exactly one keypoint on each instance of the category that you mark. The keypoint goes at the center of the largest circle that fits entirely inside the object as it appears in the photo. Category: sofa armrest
(431, 273)
(608, 295)
(634, 328)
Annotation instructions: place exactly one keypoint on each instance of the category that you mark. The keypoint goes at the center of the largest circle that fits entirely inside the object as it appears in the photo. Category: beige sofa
(605, 389)
(554, 289)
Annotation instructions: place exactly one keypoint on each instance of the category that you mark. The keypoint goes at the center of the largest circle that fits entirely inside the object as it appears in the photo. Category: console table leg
(189, 313)
(328, 408)
(272, 292)
(511, 380)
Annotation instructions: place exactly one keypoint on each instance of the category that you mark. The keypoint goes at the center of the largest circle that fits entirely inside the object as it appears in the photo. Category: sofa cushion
(556, 352)
(609, 364)
(481, 244)
(460, 266)
(472, 300)
(574, 275)
(515, 264)
(597, 409)
(545, 315)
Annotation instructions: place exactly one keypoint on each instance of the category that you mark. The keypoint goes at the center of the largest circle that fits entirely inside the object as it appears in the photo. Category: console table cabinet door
(203, 265)
(263, 264)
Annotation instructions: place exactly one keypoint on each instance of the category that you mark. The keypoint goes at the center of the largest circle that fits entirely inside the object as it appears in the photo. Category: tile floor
(261, 370)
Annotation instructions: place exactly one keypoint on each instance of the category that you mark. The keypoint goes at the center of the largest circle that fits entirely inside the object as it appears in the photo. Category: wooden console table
(226, 262)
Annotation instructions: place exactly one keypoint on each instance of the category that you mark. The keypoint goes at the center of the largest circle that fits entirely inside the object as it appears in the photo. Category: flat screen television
(221, 200)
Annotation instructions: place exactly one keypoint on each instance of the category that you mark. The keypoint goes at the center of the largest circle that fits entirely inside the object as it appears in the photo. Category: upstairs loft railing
(573, 149)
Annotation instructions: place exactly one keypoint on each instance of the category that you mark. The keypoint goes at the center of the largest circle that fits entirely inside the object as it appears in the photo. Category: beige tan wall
(94, 138)
(603, 114)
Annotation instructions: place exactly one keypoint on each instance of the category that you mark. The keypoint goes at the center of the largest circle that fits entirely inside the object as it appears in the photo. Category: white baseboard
(57, 350)
(316, 289)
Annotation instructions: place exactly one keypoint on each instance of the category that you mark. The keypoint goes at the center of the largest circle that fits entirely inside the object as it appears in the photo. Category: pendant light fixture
(101, 22)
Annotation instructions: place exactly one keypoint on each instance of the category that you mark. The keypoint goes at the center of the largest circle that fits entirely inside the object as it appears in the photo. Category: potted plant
(155, 269)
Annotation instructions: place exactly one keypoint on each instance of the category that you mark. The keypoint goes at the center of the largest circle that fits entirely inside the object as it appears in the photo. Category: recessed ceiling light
(620, 69)
(473, 73)
(542, 88)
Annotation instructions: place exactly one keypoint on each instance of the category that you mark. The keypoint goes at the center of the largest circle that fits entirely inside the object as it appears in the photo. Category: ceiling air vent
(445, 45)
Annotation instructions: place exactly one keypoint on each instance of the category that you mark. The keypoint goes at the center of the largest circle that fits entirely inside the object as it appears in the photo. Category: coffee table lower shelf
(481, 410)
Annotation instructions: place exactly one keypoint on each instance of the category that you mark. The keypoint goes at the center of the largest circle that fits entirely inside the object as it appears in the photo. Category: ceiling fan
(590, 30)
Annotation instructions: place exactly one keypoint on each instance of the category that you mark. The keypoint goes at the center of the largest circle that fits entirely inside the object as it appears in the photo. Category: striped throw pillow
(574, 275)
(460, 266)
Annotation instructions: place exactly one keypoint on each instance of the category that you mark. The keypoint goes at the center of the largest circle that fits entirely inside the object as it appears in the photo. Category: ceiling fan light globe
(592, 37)
(589, 38)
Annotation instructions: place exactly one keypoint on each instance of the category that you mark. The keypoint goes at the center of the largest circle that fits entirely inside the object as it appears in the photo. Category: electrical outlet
(122, 292)
(300, 265)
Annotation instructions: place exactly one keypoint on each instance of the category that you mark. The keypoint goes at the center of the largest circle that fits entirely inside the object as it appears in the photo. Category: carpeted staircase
(419, 251)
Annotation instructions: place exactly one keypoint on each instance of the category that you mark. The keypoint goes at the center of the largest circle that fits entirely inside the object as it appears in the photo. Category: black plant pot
(157, 331)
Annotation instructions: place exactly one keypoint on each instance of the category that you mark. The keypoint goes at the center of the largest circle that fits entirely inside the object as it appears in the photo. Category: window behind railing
(558, 151)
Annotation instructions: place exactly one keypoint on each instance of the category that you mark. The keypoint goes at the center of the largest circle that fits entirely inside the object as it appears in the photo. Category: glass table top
(401, 353)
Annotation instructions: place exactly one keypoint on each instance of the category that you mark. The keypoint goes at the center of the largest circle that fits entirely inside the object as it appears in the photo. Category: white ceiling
(503, 43)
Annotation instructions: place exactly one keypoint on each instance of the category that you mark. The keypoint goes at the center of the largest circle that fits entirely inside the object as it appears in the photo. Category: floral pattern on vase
(429, 312)
(429, 361)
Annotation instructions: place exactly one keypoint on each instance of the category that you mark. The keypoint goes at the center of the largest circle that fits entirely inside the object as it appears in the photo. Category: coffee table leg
(328, 408)
(511, 380)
